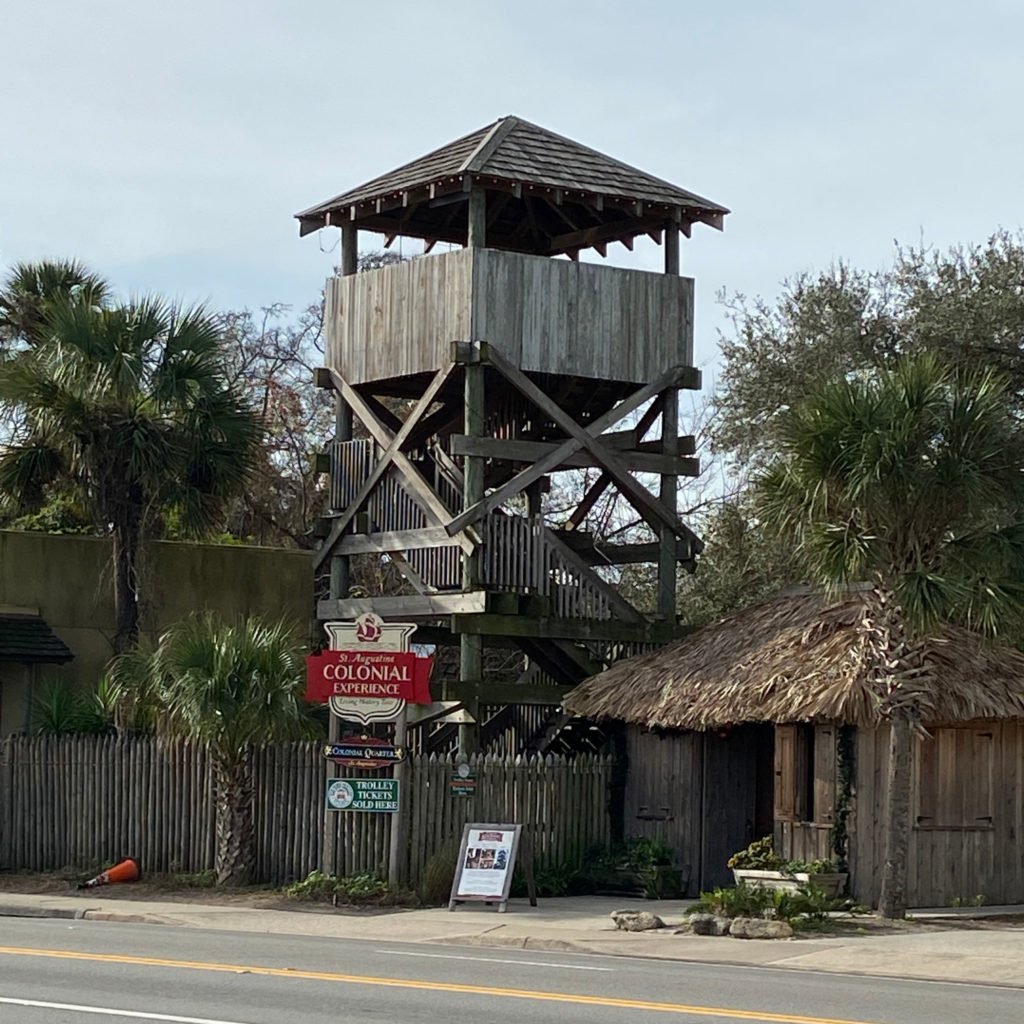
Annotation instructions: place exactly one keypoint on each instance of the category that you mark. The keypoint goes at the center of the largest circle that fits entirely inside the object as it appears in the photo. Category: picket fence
(80, 801)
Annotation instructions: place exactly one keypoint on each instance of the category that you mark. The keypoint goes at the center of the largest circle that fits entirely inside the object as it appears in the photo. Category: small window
(954, 779)
(805, 773)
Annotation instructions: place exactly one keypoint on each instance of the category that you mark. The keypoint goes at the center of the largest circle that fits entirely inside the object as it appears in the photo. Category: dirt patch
(166, 889)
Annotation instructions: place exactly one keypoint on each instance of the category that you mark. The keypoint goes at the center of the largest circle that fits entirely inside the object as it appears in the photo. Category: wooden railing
(520, 554)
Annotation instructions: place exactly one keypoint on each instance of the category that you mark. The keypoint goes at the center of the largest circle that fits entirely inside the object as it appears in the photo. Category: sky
(168, 146)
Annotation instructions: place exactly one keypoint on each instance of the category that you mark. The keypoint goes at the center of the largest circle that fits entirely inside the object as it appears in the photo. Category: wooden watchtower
(507, 366)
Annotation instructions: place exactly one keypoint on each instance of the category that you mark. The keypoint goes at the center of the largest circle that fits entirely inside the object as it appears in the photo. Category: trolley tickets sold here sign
(379, 795)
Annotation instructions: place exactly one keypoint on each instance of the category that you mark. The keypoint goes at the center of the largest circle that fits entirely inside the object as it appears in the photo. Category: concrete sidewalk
(582, 924)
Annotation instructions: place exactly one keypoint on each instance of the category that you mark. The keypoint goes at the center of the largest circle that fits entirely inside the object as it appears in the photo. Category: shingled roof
(524, 161)
(28, 639)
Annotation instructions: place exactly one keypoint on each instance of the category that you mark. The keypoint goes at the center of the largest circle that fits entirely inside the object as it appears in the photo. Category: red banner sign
(379, 674)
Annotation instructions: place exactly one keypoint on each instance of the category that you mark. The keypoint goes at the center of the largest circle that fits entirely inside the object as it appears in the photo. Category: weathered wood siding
(948, 862)
(81, 801)
(548, 316)
(701, 793)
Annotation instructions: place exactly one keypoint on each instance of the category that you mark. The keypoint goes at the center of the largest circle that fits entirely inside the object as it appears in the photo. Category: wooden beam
(594, 553)
(612, 231)
(349, 248)
(531, 451)
(671, 249)
(590, 499)
(545, 465)
(635, 493)
(508, 693)
(431, 504)
(376, 474)
(568, 629)
(667, 559)
(476, 219)
(419, 606)
(394, 540)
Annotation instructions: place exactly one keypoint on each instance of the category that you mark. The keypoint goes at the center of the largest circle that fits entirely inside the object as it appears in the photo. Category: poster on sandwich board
(487, 858)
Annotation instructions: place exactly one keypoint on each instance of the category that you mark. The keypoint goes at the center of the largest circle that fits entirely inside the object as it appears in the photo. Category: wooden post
(349, 248)
(667, 560)
(400, 819)
(476, 229)
(671, 248)
(341, 571)
(471, 646)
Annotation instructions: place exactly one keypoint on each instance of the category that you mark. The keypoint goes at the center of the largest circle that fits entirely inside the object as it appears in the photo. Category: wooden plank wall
(83, 801)
(953, 863)
(549, 316)
(663, 793)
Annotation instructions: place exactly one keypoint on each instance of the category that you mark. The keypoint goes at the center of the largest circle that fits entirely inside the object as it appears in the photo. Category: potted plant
(759, 864)
(639, 865)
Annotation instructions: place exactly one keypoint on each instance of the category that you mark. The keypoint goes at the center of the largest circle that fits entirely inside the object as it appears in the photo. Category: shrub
(353, 890)
(809, 904)
(435, 886)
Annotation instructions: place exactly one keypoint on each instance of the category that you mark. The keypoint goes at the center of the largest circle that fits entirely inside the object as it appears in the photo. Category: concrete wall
(68, 580)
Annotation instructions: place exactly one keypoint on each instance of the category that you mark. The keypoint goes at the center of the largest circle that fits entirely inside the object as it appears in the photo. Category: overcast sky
(168, 145)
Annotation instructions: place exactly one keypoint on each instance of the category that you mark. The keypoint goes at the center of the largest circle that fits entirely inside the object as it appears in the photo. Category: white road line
(493, 960)
(136, 1014)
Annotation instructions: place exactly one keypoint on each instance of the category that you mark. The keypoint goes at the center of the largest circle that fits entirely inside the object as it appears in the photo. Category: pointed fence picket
(82, 801)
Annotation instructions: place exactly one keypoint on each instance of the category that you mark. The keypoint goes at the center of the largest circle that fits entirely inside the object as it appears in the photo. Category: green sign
(362, 795)
(463, 780)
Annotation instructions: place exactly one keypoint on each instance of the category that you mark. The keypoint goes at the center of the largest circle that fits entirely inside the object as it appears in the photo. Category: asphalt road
(82, 972)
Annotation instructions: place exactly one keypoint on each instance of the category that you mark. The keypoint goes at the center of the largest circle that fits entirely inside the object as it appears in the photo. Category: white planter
(832, 883)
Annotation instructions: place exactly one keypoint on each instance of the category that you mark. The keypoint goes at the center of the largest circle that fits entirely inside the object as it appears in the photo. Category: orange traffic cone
(127, 870)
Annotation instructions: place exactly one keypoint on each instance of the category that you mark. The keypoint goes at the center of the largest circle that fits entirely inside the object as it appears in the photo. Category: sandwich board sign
(368, 674)
(487, 859)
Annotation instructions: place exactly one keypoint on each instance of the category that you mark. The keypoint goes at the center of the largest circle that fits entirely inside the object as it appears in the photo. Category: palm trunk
(127, 544)
(893, 900)
(236, 836)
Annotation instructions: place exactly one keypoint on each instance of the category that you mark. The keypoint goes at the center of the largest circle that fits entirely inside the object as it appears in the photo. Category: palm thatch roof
(799, 658)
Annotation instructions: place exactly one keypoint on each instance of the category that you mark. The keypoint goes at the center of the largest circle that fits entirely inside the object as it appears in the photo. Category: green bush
(353, 890)
(808, 904)
(435, 886)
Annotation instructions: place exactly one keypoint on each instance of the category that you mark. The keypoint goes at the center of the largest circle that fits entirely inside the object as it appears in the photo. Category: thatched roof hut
(799, 658)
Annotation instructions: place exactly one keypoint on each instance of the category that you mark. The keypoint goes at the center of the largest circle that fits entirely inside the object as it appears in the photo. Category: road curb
(67, 913)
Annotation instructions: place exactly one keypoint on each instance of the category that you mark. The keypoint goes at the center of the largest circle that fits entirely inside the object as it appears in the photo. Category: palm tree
(913, 479)
(227, 687)
(128, 407)
(30, 287)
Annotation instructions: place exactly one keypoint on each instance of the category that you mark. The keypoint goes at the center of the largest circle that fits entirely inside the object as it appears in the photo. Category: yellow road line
(432, 986)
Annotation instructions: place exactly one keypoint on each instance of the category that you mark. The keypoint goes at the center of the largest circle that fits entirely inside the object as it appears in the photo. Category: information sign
(487, 858)
(380, 795)
(463, 780)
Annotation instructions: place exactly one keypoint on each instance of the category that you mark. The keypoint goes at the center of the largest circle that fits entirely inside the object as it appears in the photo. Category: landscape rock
(708, 924)
(759, 928)
(636, 920)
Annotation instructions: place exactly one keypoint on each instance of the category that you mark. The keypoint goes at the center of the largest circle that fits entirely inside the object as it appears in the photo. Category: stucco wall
(68, 580)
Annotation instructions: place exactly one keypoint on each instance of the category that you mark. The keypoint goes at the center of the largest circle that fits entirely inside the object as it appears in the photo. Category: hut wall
(706, 795)
(547, 316)
(967, 810)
